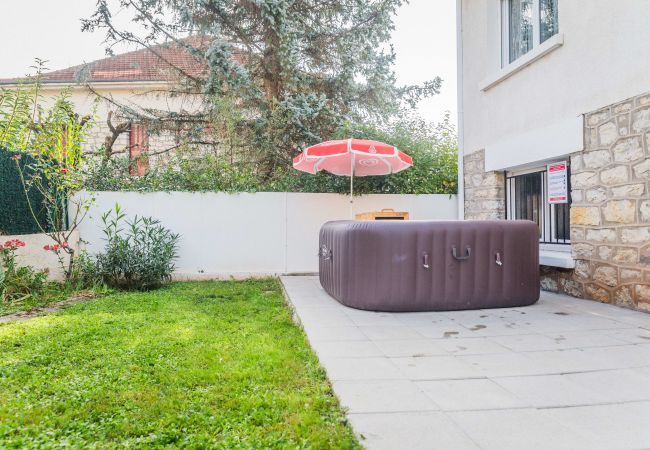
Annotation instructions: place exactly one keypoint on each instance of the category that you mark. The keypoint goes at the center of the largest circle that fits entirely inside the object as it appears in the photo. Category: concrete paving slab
(389, 333)
(616, 386)
(382, 396)
(613, 426)
(412, 431)
(546, 391)
(411, 347)
(347, 349)
(472, 346)
(350, 333)
(470, 394)
(435, 368)
(563, 373)
(367, 369)
(517, 429)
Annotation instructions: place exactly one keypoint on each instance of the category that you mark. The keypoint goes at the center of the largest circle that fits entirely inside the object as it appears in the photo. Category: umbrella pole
(351, 186)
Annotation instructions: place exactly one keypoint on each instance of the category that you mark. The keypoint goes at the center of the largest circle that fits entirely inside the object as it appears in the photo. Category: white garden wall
(256, 234)
(32, 254)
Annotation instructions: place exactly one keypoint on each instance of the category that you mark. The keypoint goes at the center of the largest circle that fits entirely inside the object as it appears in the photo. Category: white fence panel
(253, 234)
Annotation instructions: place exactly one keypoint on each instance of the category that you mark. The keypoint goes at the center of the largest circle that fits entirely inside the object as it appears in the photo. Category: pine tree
(295, 70)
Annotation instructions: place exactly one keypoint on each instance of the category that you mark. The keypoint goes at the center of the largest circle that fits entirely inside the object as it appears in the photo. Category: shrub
(84, 273)
(18, 283)
(433, 148)
(139, 256)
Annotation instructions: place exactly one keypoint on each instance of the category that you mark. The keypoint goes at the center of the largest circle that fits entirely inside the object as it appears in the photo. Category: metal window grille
(526, 200)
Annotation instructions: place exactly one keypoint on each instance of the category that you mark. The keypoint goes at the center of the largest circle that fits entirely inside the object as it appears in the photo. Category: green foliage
(139, 253)
(192, 365)
(432, 147)
(18, 284)
(84, 274)
(51, 139)
(15, 213)
(53, 135)
(291, 72)
(434, 150)
(23, 288)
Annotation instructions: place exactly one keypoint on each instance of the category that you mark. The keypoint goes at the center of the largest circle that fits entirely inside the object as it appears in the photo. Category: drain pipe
(459, 81)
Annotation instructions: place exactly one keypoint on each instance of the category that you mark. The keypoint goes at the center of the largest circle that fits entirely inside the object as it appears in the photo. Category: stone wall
(158, 142)
(610, 213)
(484, 191)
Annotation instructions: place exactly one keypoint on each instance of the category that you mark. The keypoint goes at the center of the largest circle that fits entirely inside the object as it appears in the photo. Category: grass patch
(52, 292)
(212, 364)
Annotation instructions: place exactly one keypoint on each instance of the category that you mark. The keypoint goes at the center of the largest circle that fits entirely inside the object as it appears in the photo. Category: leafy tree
(295, 71)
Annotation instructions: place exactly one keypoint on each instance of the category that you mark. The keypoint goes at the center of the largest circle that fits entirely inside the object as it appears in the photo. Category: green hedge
(15, 216)
(432, 147)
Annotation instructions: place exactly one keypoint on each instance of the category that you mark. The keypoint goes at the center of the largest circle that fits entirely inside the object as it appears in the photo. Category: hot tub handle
(425, 260)
(325, 253)
(454, 253)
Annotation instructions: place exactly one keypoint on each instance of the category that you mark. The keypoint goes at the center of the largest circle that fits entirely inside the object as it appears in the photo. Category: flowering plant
(17, 283)
(59, 250)
(13, 244)
(8, 254)
(52, 134)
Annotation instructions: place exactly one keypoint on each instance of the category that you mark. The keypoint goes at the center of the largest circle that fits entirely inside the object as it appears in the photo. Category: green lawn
(195, 365)
(52, 292)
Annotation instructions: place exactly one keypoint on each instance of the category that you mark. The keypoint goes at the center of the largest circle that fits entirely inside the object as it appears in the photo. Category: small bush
(139, 256)
(18, 283)
(84, 273)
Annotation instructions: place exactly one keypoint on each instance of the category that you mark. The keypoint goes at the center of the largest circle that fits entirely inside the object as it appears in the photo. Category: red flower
(56, 247)
(13, 244)
(16, 157)
(64, 170)
(47, 248)
(64, 244)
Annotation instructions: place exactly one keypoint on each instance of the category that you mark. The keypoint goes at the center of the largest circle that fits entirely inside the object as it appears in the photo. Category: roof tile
(163, 62)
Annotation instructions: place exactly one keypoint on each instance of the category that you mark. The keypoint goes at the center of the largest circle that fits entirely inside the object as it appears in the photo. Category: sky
(424, 41)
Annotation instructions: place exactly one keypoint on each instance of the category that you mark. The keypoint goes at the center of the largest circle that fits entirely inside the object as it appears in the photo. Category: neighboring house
(142, 80)
(562, 81)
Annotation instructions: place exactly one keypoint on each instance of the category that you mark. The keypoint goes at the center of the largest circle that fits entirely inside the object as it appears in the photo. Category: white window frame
(505, 31)
(548, 214)
(503, 68)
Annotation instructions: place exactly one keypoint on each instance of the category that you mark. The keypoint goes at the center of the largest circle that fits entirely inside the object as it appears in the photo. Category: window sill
(553, 258)
(524, 61)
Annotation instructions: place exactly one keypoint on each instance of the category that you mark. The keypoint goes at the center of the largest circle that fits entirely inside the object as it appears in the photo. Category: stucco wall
(251, 234)
(604, 59)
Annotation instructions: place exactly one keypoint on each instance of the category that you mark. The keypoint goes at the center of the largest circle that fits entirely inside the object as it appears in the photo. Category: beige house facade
(144, 82)
(554, 127)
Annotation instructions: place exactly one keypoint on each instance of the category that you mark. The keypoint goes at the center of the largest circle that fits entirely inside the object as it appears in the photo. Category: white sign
(558, 183)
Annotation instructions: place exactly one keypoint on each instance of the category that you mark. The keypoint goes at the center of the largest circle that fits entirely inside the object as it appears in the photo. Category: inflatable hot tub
(430, 265)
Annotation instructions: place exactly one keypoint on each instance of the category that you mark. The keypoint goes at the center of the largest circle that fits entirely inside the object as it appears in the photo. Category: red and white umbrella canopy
(353, 157)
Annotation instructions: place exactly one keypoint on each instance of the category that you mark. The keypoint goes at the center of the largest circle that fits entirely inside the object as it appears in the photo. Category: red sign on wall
(558, 183)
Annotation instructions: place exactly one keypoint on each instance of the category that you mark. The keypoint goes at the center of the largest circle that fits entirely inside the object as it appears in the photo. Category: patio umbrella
(352, 157)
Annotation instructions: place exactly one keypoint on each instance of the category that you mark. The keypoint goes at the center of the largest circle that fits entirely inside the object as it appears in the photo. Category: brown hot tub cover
(430, 265)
